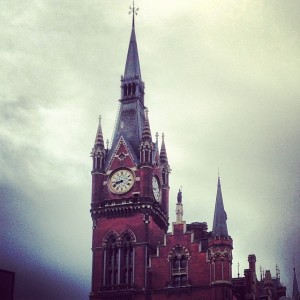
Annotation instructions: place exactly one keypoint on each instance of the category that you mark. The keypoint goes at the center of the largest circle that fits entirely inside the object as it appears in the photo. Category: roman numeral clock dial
(156, 188)
(121, 181)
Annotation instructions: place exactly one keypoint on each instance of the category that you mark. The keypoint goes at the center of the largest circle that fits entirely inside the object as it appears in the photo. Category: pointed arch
(109, 238)
(128, 232)
(178, 258)
(111, 242)
(119, 258)
(128, 239)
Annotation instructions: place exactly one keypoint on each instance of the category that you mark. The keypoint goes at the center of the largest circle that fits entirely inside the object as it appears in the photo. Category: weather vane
(133, 10)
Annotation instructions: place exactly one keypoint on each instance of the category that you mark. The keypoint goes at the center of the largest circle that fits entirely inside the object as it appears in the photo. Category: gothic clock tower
(130, 194)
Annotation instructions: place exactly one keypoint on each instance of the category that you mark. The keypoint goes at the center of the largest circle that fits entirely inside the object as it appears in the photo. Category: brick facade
(134, 256)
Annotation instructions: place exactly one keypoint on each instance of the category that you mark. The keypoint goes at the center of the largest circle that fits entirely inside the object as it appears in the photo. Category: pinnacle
(163, 152)
(99, 136)
(146, 135)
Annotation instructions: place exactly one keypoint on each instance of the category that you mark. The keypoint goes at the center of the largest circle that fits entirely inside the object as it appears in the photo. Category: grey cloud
(222, 82)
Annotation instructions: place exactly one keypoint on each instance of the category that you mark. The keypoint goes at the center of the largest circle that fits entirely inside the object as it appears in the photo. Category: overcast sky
(222, 83)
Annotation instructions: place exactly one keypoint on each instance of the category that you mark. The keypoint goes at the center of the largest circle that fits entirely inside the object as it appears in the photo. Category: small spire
(146, 135)
(99, 136)
(163, 152)
(220, 217)
(296, 294)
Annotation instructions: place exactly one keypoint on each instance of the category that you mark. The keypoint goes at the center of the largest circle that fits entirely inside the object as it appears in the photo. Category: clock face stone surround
(121, 181)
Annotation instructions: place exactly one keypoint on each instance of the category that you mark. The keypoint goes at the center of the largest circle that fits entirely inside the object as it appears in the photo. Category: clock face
(121, 181)
(156, 188)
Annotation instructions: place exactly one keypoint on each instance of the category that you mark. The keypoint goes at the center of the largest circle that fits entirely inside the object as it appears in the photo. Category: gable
(121, 156)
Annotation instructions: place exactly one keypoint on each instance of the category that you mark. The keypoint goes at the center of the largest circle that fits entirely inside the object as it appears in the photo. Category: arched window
(129, 89)
(179, 266)
(112, 261)
(119, 259)
(126, 260)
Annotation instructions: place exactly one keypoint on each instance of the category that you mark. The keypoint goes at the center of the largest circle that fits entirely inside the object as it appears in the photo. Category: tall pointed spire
(296, 293)
(131, 116)
(132, 67)
(219, 225)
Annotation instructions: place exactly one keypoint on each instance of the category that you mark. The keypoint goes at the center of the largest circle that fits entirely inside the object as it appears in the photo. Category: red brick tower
(130, 194)
(220, 252)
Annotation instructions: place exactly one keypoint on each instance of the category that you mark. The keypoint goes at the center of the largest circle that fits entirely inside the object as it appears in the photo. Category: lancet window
(126, 260)
(179, 267)
(129, 89)
(119, 259)
(112, 261)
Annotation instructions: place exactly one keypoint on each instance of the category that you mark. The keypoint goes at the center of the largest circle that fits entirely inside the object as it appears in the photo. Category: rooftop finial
(133, 10)
(294, 263)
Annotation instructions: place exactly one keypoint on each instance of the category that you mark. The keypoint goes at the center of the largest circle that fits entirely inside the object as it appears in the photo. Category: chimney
(252, 261)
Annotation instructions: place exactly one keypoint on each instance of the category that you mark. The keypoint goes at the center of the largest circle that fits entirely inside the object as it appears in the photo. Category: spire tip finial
(133, 10)
(156, 136)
